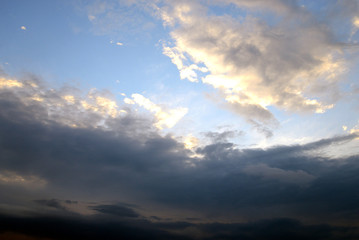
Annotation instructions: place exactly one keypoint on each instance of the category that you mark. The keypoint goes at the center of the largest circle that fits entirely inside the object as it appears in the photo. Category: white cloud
(9, 83)
(292, 65)
(69, 99)
(100, 104)
(108, 106)
(190, 142)
(37, 98)
(116, 43)
(355, 25)
(165, 118)
(186, 71)
(355, 129)
(129, 101)
(356, 22)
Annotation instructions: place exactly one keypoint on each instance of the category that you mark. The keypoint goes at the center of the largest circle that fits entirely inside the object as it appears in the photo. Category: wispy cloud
(165, 118)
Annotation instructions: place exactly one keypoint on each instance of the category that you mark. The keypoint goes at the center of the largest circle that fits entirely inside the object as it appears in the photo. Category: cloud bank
(122, 172)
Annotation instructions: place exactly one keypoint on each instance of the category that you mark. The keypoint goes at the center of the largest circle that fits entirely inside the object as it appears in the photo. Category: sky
(159, 119)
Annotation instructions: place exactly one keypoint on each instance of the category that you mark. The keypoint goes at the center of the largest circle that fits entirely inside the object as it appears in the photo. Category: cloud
(116, 210)
(25, 181)
(356, 22)
(353, 130)
(223, 136)
(59, 144)
(103, 105)
(125, 159)
(52, 227)
(292, 62)
(178, 58)
(116, 43)
(9, 83)
(165, 118)
(191, 142)
(131, 161)
(67, 106)
(52, 203)
(70, 99)
(297, 177)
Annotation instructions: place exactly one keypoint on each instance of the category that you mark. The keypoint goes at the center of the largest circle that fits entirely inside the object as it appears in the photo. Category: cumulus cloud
(292, 62)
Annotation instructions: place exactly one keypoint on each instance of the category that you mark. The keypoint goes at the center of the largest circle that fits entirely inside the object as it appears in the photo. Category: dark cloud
(223, 136)
(279, 229)
(155, 218)
(45, 160)
(53, 203)
(117, 210)
(92, 228)
(51, 227)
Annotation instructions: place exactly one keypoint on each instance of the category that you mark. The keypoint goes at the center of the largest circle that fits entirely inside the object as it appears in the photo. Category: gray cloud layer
(98, 228)
(129, 162)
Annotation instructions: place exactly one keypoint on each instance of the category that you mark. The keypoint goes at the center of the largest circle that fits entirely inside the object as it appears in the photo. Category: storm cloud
(51, 168)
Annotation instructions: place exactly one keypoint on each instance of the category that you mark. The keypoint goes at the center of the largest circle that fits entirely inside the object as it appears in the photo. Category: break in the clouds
(277, 54)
